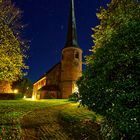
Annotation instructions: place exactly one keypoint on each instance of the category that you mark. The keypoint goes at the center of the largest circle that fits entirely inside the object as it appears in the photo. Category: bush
(10, 96)
(74, 97)
(19, 96)
(110, 84)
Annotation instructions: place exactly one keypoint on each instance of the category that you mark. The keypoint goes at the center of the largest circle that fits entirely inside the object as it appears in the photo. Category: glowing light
(15, 90)
(33, 97)
(24, 97)
(76, 90)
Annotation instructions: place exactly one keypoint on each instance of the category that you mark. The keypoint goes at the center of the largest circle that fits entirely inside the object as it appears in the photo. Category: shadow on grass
(82, 130)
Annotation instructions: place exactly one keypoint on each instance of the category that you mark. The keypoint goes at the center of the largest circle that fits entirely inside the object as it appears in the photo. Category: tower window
(77, 55)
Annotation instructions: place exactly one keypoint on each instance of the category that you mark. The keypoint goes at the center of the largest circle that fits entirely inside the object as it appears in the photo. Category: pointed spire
(72, 34)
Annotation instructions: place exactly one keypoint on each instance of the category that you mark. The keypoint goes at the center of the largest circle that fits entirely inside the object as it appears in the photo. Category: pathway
(43, 125)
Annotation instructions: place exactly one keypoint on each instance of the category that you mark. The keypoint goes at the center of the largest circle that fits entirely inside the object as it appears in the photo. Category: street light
(15, 90)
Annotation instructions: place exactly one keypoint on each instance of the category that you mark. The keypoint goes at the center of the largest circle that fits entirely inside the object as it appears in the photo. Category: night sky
(47, 22)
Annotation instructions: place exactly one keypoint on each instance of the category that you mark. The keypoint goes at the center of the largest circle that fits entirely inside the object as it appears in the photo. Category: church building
(60, 80)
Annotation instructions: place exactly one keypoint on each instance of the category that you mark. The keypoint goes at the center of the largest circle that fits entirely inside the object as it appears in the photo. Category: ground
(47, 120)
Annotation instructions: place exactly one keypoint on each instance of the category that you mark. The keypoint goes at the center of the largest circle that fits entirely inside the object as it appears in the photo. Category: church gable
(39, 84)
(48, 84)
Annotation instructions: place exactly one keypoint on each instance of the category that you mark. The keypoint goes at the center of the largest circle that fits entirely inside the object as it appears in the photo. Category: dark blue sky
(47, 22)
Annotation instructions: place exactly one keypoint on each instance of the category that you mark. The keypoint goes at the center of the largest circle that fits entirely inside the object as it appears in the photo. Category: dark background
(47, 22)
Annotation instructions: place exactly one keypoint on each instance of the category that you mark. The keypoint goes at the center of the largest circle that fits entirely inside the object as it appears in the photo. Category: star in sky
(62, 27)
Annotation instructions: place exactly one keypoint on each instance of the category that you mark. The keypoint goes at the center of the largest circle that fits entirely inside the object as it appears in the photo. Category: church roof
(72, 34)
(52, 68)
(45, 74)
(49, 88)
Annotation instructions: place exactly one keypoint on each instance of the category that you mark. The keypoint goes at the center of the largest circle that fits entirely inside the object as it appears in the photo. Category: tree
(24, 86)
(12, 47)
(110, 83)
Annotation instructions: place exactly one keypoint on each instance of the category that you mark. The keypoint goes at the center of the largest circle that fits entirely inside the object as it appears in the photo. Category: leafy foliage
(10, 96)
(74, 97)
(110, 83)
(12, 48)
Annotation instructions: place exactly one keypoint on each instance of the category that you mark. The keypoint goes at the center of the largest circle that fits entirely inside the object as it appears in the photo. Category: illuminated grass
(12, 109)
(79, 121)
(74, 112)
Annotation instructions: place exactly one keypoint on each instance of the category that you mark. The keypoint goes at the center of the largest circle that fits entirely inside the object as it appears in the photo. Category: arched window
(77, 55)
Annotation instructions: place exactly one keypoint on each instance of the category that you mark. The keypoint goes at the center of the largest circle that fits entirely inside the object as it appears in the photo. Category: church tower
(71, 62)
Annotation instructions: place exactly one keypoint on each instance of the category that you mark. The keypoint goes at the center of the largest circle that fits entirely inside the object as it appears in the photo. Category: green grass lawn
(82, 123)
(76, 113)
(13, 109)
(72, 116)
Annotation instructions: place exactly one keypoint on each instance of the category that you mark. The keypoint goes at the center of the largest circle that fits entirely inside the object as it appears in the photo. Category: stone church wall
(53, 76)
(71, 70)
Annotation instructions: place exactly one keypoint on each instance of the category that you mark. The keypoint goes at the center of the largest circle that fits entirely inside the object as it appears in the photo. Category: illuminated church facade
(60, 80)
